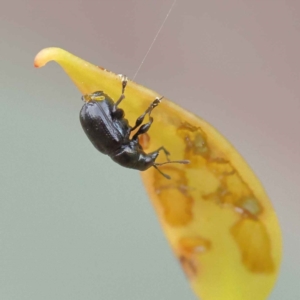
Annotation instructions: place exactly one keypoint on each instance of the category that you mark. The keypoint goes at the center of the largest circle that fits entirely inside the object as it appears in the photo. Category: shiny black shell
(105, 126)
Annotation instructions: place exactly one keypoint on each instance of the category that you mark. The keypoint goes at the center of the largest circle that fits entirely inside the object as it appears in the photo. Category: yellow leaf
(214, 212)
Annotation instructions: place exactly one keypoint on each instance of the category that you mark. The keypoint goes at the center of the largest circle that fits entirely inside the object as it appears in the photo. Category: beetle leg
(169, 162)
(143, 129)
(122, 97)
(167, 153)
(148, 111)
(163, 174)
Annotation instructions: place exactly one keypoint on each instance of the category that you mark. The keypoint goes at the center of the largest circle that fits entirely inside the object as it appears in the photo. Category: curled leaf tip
(44, 56)
(48, 54)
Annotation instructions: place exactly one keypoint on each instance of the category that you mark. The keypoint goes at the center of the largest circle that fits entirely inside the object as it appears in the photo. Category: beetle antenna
(163, 174)
(173, 162)
(169, 162)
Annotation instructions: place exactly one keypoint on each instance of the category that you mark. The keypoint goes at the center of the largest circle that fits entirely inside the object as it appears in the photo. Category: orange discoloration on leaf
(194, 245)
(194, 139)
(254, 244)
(214, 212)
(175, 200)
(189, 267)
(189, 250)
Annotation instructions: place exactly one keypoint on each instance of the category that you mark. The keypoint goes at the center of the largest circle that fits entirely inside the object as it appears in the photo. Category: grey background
(73, 225)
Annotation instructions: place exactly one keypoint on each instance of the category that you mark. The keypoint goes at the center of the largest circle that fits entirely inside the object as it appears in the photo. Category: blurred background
(74, 225)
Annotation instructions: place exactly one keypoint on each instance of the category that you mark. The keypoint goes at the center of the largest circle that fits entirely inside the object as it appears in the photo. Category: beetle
(104, 124)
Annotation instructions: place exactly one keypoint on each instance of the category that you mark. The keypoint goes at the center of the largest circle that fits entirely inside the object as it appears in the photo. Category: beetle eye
(119, 113)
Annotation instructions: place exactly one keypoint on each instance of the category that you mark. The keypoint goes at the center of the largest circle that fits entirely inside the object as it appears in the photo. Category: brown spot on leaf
(254, 244)
(194, 139)
(189, 250)
(250, 206)
(177, 207)
(189, 267)
(174, 196)
(220, 167)
(194, 245)
(101, 68)
(232, 189)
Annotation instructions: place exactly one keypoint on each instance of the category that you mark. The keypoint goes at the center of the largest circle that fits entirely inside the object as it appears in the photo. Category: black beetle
(108, 130)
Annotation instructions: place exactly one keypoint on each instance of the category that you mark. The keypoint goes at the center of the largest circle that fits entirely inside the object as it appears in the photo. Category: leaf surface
(215, 213)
